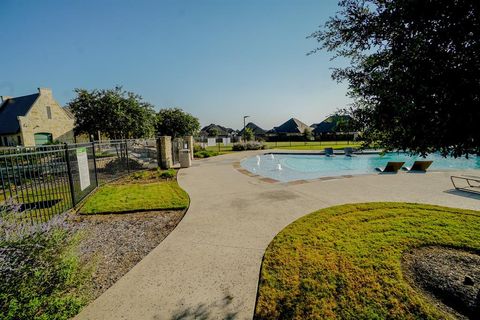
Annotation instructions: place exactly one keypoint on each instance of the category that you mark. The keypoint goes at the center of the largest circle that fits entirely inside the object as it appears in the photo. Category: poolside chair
(391, 166)
(470, 183)
(419, 166)
(328, 152)
(348, 152)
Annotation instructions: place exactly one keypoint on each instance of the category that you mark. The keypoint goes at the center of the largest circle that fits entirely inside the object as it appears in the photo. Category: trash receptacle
(185, 158)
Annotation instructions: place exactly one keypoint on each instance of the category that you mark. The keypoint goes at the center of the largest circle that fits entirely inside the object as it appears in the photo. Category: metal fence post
(70, 177)
(95, 163)
(126, 154)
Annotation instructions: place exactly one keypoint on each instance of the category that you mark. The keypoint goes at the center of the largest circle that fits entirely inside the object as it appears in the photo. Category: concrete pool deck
(208, 267)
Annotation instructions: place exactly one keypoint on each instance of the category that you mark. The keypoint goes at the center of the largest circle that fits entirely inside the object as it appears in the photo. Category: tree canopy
(175, 122)
(115, 112)
(414, 71)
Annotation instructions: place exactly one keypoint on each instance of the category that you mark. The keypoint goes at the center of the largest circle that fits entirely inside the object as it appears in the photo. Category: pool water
(290, 167)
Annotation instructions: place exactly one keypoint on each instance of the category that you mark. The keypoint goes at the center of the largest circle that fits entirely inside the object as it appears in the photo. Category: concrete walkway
(208, 267)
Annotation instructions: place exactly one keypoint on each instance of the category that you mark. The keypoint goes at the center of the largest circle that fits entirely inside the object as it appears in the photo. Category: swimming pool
(290, 167)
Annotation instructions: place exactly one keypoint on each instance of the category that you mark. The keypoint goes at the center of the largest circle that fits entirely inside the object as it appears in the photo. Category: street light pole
(244, 117)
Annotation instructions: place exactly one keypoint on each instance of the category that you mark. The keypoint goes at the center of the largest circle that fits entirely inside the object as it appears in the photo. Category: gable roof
(291, 126)
(256, 129)
(13, 108)
(222, 131)
(330, 124)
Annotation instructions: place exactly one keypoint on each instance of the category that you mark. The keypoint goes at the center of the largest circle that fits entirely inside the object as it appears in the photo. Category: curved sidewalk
(208, 267)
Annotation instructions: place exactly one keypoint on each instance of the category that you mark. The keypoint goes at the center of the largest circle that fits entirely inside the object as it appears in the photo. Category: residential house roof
(256, 129)
(291, 126)
(11, 109)
(222, 131)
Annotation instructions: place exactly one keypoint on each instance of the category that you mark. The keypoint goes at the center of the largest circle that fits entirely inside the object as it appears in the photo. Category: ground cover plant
(141, 191)
(344, 262)
(42, 277)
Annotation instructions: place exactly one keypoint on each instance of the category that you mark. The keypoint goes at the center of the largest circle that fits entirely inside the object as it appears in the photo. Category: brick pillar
(164, 152)
(190, 144)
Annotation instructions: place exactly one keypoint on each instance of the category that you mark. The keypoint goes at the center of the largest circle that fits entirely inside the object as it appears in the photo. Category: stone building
(34, 119)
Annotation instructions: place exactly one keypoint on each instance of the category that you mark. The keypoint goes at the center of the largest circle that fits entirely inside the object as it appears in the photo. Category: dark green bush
(205, 154)
(167, 174)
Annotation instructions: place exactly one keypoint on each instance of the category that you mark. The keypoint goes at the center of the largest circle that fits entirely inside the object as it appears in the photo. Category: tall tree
(114, 112)
(175, 122)
(414, 71)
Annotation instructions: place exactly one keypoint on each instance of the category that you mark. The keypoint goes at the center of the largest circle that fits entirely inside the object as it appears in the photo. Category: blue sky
(217, 60)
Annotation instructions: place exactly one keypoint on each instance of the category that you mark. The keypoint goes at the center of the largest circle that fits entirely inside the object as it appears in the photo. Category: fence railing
(43, 181)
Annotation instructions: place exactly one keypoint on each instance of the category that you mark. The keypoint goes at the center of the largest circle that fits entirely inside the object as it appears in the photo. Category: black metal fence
(46, 180)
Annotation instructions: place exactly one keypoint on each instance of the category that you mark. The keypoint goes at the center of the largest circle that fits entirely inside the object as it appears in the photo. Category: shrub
(252, 145)
(41, 274)
(167, 174)
(205, 154)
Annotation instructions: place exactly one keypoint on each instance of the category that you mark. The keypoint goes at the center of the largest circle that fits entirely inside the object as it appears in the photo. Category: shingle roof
(256, 129)
(291, 126)
(222, 131)
(11, 109)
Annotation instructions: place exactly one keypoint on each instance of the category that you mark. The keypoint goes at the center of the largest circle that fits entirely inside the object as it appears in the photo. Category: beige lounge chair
(419, 165)
(391, 166)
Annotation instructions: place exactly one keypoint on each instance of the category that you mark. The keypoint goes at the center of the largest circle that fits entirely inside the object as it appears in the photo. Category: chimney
(5, 98)
(45, 91)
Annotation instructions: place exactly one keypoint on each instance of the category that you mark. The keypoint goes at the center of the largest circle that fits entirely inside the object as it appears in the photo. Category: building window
(49, 112)
(5, 141)
(19, 140)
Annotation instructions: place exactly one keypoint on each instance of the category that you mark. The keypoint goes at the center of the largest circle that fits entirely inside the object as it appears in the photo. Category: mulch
(449, 278)
(117, 242)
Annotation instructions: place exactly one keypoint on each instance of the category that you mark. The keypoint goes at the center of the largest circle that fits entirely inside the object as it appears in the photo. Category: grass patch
(344, 262)
(140, 191)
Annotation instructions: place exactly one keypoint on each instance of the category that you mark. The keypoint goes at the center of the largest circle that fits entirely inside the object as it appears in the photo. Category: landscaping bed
(346, 262)
(52, 269)
(115, 243)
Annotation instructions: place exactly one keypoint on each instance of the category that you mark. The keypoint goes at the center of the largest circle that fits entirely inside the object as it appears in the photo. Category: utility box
(185, 158)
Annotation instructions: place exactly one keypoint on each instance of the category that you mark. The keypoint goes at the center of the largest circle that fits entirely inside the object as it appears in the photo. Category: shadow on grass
(218, 310)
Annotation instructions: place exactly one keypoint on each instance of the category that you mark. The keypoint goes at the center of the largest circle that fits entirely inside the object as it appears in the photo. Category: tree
(175, 122)
(115, 112)
(248, 134)
(213, 132)
(414, 72)
(307, 134)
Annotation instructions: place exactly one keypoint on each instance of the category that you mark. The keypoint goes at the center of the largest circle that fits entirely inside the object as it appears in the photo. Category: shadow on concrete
(219, 310)
(464, 194)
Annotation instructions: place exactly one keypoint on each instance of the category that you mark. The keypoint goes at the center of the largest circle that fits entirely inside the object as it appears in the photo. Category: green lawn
(115, 198)
(344, 262)
(297, 145)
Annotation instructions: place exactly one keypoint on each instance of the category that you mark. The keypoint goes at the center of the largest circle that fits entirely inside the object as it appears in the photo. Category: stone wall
(36, 120)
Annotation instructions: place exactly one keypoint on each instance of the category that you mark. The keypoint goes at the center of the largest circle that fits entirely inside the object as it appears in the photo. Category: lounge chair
(471, 183)
(348, 152)
(419, 166)
(391, 166)
(328, 152)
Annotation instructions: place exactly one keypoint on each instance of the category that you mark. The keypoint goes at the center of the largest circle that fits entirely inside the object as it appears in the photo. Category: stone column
(164, 152)
(190, 143)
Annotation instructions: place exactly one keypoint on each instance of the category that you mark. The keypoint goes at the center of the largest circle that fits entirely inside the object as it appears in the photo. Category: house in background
(34, 119)
(218, 129)
(292, 127)
(257, 131)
